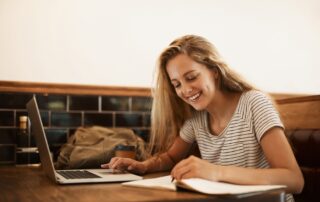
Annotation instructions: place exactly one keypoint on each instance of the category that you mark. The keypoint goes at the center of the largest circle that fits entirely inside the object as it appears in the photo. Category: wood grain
(29, 184)
(54, 88)
(300, 112)
(60, 88)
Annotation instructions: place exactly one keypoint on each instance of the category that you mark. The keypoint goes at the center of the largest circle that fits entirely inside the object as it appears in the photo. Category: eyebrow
(184, 75)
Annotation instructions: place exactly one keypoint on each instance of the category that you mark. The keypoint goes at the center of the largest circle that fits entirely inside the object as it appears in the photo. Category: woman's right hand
(126, 164)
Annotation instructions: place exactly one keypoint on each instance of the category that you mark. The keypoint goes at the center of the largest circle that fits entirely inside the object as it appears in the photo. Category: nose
(187, 89)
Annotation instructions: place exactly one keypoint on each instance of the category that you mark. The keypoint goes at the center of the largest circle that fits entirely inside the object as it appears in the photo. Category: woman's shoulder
(255, 101)
(254, 93)
(253, 96)
(197, 117)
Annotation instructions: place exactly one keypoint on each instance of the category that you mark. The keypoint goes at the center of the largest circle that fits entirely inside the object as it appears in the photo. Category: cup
(125, 151)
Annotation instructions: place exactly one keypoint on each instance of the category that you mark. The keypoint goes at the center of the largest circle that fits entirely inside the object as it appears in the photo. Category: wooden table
(31, 184)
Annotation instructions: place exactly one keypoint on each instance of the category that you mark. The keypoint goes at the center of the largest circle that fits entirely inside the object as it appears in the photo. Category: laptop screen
(41, 140)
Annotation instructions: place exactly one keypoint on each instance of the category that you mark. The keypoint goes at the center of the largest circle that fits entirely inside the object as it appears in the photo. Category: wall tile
(129, 120)
(115, 103)
(147, 120)
(84, 103)
(141, 104)
(22, 138)
(34, 158)
(7, 153)
(52, 102)
(14, 100)
(7, 136)
(6, 118)
(65, 119)
(101, 119)
(143, 133)
(27, 158)
(32, 141)
(22, 158)
(44, 118)
(56, 136)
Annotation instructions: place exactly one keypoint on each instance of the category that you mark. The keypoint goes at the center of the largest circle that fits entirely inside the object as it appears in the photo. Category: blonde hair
(169, 112)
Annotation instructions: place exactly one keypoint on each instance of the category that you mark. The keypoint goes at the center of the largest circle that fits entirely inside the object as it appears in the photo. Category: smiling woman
(199, 100)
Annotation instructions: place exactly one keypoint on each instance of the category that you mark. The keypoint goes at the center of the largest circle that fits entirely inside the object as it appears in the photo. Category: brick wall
(62, 114)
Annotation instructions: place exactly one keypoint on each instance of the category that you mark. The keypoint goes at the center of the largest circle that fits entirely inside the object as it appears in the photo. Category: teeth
(193, 98)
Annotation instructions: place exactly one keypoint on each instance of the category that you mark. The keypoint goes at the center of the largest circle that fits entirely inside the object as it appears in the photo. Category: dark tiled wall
(61, 116)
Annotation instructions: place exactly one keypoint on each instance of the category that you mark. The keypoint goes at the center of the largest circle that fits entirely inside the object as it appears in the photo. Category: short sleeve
(264, 114)
(187, 132)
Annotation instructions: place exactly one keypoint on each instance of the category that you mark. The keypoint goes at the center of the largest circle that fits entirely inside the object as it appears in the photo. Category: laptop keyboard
(77, 174)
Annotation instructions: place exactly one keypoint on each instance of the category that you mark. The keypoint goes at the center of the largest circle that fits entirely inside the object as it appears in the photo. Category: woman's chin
(198, 107)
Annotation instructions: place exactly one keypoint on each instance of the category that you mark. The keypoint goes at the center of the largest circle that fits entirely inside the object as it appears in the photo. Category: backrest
(301, 117)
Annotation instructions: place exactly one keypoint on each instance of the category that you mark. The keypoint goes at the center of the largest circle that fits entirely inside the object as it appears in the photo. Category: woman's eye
(176, 85)
(192, 77)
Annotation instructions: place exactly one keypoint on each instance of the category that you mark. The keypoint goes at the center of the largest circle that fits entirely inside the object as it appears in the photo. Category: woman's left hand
(194, 167)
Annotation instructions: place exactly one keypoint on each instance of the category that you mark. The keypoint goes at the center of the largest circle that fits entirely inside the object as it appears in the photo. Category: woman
(240, 136)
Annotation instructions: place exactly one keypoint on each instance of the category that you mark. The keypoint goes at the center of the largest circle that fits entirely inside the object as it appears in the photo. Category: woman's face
(193, 82)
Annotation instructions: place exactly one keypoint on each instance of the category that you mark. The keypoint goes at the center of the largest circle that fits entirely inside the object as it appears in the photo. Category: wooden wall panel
(59, 88)
(72, 89)
(300, 113)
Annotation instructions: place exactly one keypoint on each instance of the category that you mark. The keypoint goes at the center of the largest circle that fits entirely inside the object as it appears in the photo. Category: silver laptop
(69, 176)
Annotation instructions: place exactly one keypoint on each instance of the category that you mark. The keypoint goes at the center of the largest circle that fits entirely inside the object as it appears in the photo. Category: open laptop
(69, 176)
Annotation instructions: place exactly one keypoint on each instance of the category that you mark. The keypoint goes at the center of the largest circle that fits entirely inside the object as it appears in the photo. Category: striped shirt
(239, 143)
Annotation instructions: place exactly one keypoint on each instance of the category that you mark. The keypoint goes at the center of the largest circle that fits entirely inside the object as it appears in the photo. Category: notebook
(69, 176)
(201, 186)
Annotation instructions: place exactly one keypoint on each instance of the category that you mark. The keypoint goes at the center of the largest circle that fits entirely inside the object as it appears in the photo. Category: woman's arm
(162, 162)
(283, 166)
(167, 160)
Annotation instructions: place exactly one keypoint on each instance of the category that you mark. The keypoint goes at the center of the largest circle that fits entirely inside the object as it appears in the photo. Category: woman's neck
(223, 107)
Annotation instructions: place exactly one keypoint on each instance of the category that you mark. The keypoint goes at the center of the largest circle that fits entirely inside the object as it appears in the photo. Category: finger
(117, 164)
(180, 175)
(180, 172)
(122, 163)
(186, 161)
(179, 165)
(186, 175)
(114, 162)
(108, 165)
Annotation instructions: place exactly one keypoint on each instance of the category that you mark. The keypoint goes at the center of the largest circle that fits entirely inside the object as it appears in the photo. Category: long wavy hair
(169, 112)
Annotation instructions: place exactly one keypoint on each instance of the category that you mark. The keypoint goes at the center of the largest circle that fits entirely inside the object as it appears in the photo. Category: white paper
(201, 185)
(158, 183)
(211, 187)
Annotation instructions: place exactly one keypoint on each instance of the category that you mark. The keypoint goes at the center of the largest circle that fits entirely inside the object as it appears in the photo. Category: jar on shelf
(22, 132)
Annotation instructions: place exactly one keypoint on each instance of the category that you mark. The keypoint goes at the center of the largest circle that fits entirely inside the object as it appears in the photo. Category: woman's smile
(194, 97)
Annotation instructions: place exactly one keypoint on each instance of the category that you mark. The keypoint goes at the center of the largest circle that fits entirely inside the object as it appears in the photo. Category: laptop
(69, 176)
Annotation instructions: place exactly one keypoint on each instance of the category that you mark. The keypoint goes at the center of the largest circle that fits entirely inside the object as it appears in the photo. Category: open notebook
(201, 185)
